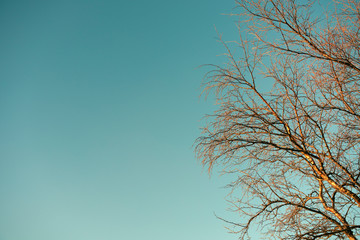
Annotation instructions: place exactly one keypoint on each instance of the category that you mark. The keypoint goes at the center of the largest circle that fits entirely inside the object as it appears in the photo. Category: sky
(100, 108)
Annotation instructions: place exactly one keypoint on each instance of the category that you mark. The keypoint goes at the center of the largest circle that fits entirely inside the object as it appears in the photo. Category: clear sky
(99, 103)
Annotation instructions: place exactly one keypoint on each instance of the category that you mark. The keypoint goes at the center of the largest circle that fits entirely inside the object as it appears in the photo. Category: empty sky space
(100, 108)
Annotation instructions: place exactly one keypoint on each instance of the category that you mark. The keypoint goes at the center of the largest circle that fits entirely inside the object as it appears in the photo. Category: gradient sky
(99, 111)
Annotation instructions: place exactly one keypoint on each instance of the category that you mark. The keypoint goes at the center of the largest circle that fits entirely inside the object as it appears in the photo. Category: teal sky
(99, 103)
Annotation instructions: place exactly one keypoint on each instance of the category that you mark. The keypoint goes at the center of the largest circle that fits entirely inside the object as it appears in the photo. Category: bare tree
(294, 148)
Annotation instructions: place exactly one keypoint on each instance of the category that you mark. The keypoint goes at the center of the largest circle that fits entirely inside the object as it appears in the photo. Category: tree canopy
(294, 148)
